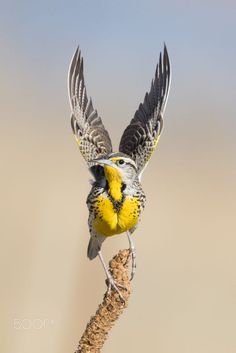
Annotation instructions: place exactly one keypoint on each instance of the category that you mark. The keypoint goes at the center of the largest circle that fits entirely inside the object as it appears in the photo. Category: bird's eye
(121, 161)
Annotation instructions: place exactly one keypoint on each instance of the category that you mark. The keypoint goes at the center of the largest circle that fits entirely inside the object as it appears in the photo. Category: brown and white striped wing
(140, 138)
(89, 131)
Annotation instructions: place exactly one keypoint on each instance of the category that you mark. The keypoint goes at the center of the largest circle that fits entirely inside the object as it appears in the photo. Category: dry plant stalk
(110, 309)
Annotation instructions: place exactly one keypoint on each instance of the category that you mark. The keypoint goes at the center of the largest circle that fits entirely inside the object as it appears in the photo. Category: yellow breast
(109, 222)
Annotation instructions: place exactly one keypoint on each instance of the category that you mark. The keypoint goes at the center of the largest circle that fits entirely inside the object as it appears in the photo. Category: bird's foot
(113, 285)
(133, 263)
(133, 255)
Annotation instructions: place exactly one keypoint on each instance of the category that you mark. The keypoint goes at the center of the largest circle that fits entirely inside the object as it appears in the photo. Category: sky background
(185, 286)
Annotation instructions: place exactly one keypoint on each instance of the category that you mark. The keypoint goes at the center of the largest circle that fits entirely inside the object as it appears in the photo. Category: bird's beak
(103, 162)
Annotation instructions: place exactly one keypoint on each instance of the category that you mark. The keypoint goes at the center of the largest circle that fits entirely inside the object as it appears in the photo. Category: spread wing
(89, 131)
(140, 138)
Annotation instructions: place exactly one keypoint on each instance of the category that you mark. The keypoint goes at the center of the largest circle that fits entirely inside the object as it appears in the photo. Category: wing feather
(91, 135)
(141, 136)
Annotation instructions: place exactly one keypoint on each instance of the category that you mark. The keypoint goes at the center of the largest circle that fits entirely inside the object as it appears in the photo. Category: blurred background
(184, 292)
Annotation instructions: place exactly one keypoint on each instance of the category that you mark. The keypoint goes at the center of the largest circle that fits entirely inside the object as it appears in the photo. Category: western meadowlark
(116, 199)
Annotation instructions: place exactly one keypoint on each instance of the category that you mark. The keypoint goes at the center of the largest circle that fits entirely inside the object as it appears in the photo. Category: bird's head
(118, 166)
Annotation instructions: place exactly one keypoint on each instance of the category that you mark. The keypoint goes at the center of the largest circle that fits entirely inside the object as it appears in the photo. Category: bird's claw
(112, 285)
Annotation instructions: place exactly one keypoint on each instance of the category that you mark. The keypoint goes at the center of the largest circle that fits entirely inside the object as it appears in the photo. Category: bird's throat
(114, 181)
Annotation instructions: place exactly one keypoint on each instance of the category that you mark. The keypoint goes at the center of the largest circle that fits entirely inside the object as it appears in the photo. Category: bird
(116, 200)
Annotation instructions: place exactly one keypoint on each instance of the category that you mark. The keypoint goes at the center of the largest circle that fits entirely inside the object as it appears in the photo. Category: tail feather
(94, 246)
